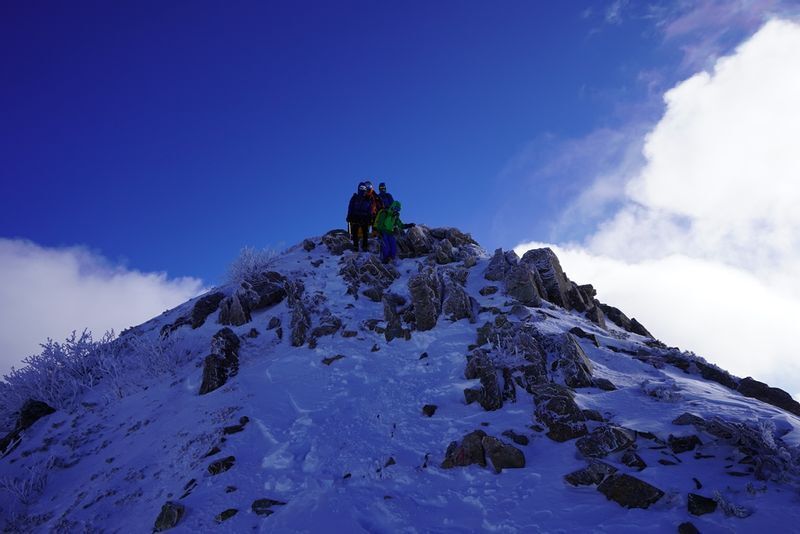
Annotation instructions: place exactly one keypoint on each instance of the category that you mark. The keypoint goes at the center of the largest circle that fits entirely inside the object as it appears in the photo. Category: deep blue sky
(170, 134)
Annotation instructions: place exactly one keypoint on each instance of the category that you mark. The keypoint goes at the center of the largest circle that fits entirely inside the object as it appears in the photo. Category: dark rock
(270, 288)
(423, 355)
(521, 284)
(571, 363)
(331, 359)
(621, 320)
(556, 285)
(631, 459)
(488, 290)
(699, 505)
(556, 408)
(253, 333)
(263, 507)
(593, 415)
(301, 320)
(592, 474)
(579, 332)
(687, 528)
(638, 328)
(317, 262)
(220, 466)
(429, 409)
(204, 307)
(443, 252)
(502, 455)
(680, 444)
(222, 363)
(329, 324)
(596, 315)
(774, 396)
(225, 515)
(349, 333)
(170, 516)
(629, 491)
(457, 304)
(426, 299)
(604, 440)
(415, 243)
(233, 311)
(274, 323)
(235, 429)
(509, 389)
(375, 294)
(31, 411)
(519, 439)
(392, 314)
(480, 366)
(688, 419)
(469, 451)
(308, 245)
(375, 348)
(366, 270)
(337, 241)
(497, 267)
(604, 384)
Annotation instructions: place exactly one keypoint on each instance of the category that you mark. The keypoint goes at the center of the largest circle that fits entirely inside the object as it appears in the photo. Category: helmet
(369, 185)
(362, 187)
(382, 187)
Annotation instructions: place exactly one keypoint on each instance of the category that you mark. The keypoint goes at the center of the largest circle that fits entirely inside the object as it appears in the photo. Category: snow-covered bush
(731, 509)
(250, 262)
(28, 487)
(666, 390)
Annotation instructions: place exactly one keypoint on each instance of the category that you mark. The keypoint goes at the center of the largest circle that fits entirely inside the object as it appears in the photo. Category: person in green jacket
(387, 223)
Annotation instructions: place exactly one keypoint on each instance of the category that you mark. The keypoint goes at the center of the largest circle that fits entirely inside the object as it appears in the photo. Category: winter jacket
(360, 209)
(386, 199)
(388, 221)
(375, 204)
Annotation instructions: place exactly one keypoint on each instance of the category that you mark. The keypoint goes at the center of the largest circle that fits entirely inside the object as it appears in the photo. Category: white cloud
(705, 250)
(48, 292)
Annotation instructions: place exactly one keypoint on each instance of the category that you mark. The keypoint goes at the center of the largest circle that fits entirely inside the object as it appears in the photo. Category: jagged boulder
(31, 411)
(502, 455)
(301, 319)
(469, 451)
(233, 311)
(392, 314)
(443, 252)
(337, 242)
(479, 366)
(169, 517)
(620, 319)
(270, 287)
(629, 491)
(604, 440)
(569, 363)
(205, 306)
(752, 388)
(222, 363)
(556, 408)
(414, 243)
(366, 270)
(457, 303)
(499, 265)
(591, 475)
(521, 284)
(425, 293)
(558, 289)
(455, 236)
(596, 315)
(699, 505)
(328, 325)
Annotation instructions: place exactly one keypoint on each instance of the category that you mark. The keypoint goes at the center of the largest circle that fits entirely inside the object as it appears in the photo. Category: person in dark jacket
(359, 216)
(385, 196)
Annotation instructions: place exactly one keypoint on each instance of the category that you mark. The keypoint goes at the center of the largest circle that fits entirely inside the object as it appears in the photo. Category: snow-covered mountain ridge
(452, 391)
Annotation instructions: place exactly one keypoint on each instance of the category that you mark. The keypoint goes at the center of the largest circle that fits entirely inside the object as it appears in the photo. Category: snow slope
(346, 446)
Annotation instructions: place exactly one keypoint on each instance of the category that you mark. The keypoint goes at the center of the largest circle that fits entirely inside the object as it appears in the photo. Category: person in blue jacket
(386, 197)
(359, 216)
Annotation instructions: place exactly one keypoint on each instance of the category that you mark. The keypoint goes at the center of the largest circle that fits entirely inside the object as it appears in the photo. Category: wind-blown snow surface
(320, 436)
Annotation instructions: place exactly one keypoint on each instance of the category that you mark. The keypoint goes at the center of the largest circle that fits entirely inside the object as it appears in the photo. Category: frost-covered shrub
(667, 390)
(250, 262)
(28, 487)
(731, 509)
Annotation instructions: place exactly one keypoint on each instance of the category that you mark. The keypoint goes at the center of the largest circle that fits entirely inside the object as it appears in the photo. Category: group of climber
(378, 213)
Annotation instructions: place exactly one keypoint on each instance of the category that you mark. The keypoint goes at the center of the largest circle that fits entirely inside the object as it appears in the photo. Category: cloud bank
(48, 292)
(705, 248)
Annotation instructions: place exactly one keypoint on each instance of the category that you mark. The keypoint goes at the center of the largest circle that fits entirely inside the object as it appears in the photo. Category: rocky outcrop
(366, 271)
(605, 440)
(521, 284)
(205, 306)
(263, 507)
(337, 241)
(629, 491)
(489, 395)
(476, 447)
(301, 319)
(752, 388)
(393, 308)
(568, 362)
(457, 304)
(416, 242)
(222, 363)
(425, 293)
(31, 411)
(558, 289)
(699, 505)
(620, 319)
(328, 325)
(556, 408)
(234, 310)
(443, 252)
(591, 475)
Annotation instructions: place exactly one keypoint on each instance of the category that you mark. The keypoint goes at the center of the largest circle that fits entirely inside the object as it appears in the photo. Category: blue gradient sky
(167, 135)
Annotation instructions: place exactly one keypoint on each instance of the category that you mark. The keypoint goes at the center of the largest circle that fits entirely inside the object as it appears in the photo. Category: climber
(386, 197)
(359, 216)
(388, 223)
(375, 206)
